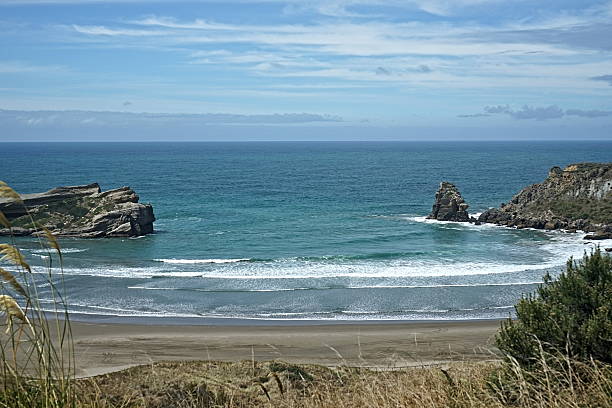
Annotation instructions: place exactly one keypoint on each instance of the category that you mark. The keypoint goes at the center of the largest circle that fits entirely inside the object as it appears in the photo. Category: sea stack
(578, 197)
(449, 204)
(80, 211)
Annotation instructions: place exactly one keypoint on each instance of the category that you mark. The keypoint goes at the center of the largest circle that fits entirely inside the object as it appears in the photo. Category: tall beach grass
(279, 384)
(36, 350)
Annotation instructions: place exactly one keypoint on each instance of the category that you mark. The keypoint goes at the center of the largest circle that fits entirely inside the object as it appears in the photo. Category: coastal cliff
(578, 197)
(80, 211)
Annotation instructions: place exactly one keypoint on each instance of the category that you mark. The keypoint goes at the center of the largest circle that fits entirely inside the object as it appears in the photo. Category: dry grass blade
(265, 390)
(37, 358)
(52, 241)
(13, 254)
(10, 279)
(12, 309)
(7, 192)
(279, 383)
(4, 221)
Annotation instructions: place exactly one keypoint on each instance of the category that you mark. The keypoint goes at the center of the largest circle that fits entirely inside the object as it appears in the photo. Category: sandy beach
(106, 347)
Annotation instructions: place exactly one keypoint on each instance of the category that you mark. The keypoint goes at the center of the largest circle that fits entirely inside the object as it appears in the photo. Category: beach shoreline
(106, 347)
(189, 320)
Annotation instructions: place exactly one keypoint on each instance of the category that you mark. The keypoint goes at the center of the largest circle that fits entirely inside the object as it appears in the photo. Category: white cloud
(19, 67)
(539, 113)
(91, 118)
(338, 8)
(455, 54)
(560, 52)
(367, 39)
(106, 31)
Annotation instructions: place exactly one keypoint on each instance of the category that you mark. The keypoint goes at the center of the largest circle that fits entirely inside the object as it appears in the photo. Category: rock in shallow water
(599, 236)
(449, 204)
(81, 211)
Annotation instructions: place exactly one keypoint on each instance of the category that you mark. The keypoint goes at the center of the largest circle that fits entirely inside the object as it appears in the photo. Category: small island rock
(449, 204)
(80, 211)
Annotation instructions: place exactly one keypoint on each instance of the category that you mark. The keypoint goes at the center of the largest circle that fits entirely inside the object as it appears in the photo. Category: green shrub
(570, 316)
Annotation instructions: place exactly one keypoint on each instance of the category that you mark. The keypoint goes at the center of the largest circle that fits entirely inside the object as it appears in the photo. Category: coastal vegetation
(276, 384)
(36, 353)
(570, 316)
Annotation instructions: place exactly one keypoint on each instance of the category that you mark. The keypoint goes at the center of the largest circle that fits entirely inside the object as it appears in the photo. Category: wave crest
(203, 261)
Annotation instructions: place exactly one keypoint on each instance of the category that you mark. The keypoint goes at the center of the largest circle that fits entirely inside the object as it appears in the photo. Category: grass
(277, 384)
(69, 213)
(595, 211)
(36, 353)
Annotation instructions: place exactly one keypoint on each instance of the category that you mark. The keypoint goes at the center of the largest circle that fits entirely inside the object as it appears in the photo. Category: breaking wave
(202, 261)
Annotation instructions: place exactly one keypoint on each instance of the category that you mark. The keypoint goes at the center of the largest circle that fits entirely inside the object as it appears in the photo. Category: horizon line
(306, 141)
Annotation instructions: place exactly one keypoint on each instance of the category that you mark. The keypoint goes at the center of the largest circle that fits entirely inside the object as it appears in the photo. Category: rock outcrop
(578, 197)
(449, 205)
(80, 211)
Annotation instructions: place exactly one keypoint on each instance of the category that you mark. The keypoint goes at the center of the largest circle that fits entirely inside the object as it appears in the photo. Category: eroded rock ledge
(578, 197)
(81, 211)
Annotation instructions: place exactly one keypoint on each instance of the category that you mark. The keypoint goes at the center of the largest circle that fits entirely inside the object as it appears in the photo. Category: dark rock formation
(80, 211)
(449, 205)
(599, 235)
(578, 197)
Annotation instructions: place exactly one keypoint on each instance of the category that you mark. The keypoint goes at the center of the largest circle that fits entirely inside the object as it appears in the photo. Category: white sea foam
(467, 285)
(218, 290)
(428, 315)
(202, 261)
(353, 315)
(121, 312)
(425, 220)
(555, 252)
(321, 270)
(41, 256)
(64, 250)
(347, 315)
(395, 269)
(458, 285)
(127, 272)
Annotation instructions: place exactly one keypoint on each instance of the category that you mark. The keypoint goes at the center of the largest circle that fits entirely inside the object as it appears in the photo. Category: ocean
(302, 231)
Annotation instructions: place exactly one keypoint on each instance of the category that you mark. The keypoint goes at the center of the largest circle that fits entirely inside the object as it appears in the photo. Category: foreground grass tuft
(36, 353)
(278, 384)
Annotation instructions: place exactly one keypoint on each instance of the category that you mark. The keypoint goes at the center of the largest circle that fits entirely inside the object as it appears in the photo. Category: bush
(571, 316)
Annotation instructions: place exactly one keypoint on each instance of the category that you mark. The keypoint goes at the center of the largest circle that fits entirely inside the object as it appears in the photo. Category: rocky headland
(80, 211)
(449, 204)
(578, 197)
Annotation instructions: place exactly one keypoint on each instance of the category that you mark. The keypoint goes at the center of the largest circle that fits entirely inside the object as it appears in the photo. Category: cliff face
(81, 211)
(449, 204)
(577, 197)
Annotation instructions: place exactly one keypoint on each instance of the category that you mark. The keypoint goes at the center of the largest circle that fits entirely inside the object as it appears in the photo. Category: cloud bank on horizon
(255, 65)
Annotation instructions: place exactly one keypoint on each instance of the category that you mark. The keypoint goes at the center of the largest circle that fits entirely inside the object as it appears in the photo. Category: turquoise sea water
(303, 230)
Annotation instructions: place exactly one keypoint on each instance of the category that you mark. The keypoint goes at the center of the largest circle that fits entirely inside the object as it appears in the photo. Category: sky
(115, 70)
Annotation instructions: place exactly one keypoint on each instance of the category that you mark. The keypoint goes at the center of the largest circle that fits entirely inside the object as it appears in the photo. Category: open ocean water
(303, 231)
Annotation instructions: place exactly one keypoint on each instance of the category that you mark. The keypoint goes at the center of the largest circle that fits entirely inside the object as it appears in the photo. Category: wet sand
(106, 347)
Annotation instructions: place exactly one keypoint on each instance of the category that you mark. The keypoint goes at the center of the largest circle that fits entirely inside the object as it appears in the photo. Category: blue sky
(296, 70)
